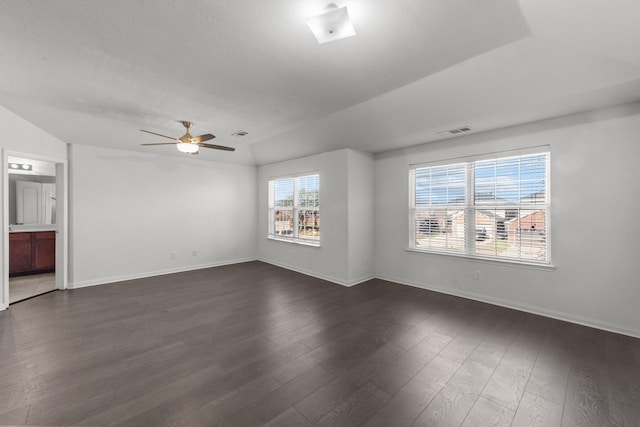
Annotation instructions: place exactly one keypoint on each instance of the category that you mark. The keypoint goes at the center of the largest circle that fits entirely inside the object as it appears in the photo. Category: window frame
(295, 210)
(470, 207)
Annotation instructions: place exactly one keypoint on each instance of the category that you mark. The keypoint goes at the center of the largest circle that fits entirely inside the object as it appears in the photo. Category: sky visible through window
(284, 191)
(509, 180)
(284, 188)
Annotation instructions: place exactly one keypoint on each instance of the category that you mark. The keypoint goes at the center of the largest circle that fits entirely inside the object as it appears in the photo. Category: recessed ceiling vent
(455, 131)
(240, 133)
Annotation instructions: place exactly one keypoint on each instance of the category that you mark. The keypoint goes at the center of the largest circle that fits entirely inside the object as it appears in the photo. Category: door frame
(62, 221)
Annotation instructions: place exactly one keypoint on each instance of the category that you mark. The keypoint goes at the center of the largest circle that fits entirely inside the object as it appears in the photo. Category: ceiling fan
(187, 143)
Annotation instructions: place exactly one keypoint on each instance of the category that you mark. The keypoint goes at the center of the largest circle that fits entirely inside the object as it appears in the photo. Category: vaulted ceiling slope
(95, 72)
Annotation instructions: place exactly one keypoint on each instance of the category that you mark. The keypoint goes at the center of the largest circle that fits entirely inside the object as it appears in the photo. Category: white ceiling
(96, 72)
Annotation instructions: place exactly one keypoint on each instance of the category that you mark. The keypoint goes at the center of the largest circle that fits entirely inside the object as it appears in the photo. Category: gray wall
(595, 236)
(130, 211)
(595, 242)
(345, 255)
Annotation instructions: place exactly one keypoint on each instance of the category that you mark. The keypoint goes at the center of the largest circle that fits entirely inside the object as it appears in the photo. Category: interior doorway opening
(33, 217)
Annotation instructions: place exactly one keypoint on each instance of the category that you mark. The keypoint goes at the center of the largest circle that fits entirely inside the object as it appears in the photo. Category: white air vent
(240, 133)
(455, 131)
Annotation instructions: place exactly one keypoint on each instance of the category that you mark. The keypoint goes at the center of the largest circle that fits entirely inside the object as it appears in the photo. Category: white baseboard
(584, 321)
(304, 271)
(113, 279)
(361, 279)
(332, 279)
(580, 320)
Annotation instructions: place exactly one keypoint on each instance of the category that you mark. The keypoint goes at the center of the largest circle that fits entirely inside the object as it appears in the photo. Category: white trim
(114, 279)
(62, 222)
(361, 279)
(484, 156)
(62, 225)
(4, 267)
(295, 210)
(502, 261)
(297, 240)
(471, 206)
(294, 175)
(332, 279)
(579, 320)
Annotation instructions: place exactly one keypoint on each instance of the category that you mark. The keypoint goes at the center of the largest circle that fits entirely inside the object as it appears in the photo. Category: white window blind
(294, 209)
(494, 208)
(439, 199)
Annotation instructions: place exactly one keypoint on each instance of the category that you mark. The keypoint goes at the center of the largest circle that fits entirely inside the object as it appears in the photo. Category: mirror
(32, 193)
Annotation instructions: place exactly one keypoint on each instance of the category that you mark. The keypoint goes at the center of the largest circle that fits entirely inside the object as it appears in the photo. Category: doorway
(35, 238)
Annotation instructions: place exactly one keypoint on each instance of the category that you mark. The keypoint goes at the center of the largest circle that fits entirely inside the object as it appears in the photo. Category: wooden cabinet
(44, 250)
(20, 253)
(32, 252)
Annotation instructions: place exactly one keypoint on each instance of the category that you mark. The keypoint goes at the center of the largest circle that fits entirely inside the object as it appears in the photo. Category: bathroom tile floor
(23, 287)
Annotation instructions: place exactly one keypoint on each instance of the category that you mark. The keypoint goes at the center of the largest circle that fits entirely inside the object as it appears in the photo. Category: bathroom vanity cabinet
(32, 252)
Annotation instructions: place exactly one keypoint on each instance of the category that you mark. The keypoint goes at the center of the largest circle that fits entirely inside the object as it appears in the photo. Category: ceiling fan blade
(159, 134)
(161, 143)
(217, 147)
(203, 138)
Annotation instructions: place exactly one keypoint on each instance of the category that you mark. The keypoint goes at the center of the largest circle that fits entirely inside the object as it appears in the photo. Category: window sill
(295, 241)
(504, 262)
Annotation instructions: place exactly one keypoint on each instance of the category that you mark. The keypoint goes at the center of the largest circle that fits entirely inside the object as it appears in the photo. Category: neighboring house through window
(493, 207)
(294, 209)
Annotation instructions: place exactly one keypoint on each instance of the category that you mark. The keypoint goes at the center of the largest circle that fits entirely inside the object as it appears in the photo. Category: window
(294, 209)
(495, 208)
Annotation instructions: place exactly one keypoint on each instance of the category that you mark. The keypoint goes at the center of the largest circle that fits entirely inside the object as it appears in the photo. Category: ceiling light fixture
(20, 166)
(187, 147)
(332, 24)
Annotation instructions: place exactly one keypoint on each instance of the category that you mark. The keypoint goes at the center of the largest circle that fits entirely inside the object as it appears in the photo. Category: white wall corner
(328, 278)
(359, 280)
(329, 261)
(360, 216)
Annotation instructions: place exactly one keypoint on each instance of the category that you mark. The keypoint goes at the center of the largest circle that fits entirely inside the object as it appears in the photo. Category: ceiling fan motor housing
(188, 143)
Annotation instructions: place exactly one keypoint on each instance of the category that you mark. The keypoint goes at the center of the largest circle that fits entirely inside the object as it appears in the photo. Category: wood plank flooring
(253, 344)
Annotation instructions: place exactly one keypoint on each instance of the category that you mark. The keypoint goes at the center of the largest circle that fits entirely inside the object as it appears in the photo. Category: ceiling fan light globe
(187, 147)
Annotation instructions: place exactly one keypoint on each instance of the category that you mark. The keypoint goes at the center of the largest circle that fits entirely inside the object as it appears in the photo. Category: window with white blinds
(495, 208)
(294, 209)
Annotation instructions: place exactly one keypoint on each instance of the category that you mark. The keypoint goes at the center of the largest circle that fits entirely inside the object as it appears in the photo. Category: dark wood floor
(253, 344)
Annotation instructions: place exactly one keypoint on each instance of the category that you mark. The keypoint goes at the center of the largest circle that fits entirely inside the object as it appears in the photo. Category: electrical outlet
(477, 275)
(195, 252)
(174, 255)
